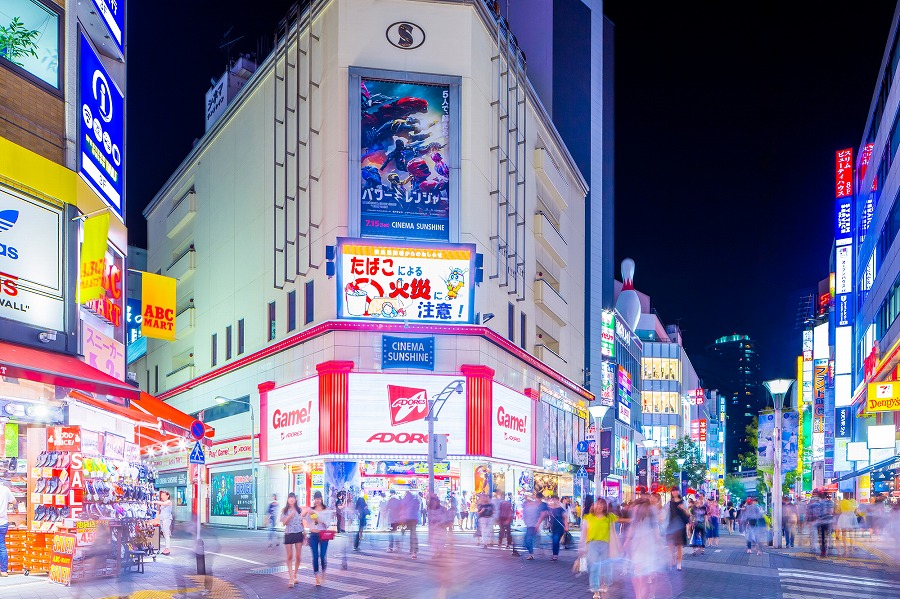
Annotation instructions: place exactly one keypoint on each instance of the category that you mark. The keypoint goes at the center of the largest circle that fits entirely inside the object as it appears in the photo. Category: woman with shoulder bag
(676, 530)
(292, 518)
(319, 519)
(599, 546)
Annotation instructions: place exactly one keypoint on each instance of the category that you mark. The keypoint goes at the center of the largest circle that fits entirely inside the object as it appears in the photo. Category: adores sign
(290, 419)
(387, 414)
(512, 425)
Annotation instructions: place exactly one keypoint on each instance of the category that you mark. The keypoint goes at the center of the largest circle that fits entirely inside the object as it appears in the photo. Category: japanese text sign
(113, 12)
(608, 334)
(418, 282)
(101, 130)
(103, 353)
(844, 173)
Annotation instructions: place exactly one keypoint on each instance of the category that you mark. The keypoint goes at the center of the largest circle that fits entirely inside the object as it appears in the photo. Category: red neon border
(334, 325)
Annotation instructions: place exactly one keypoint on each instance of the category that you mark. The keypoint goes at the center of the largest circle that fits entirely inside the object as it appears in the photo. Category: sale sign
(63, 551)
(64, 438)
(410, 282)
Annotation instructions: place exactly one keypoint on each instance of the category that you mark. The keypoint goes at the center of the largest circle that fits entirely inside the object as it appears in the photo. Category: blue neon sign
(113, 13)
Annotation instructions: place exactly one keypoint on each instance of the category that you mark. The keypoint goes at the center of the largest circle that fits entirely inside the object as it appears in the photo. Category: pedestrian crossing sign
(197, 456)
(581, 473)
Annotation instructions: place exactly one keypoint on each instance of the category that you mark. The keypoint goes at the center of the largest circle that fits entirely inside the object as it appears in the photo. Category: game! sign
(410, 282)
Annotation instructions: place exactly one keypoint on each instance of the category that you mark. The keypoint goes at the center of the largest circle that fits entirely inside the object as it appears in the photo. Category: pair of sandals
(53, 459)
(52, 486)
(45, 513)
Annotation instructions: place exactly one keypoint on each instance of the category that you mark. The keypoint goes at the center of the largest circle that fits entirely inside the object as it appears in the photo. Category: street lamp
(434, 411)
(680, 462)
(778, 389)
(598, 412)
(251, 522)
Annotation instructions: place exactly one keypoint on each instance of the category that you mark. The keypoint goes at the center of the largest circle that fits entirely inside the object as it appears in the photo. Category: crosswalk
(368, 568)
(810, 584)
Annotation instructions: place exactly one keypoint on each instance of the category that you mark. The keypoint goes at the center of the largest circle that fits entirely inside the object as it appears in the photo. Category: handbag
(614, 549)
(326, 535)
(579, 566)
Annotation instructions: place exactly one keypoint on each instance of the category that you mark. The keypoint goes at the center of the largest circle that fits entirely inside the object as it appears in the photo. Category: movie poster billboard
(231, 493)
(406, 158)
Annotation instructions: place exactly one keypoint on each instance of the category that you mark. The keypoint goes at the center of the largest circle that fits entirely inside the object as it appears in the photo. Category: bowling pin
(629, 304)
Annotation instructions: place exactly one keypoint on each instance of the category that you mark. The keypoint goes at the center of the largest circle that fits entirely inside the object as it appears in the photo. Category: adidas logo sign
(8, 219)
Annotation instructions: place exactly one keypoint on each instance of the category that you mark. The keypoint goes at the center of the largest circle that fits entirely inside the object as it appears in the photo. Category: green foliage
(735, 486)
(17, 41)
(694, 465)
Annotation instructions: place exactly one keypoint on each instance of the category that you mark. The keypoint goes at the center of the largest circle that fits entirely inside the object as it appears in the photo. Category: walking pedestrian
(699, 519)
(272, 516)
(464, 512)
(362, 513)
(644, 545)
(753, 521)
(165, 518)
(600, 546)
(790, 517)
(292, 518)
(319, 519)
(714, 511)
(454, 509)
(534, 512)
(559, 525)
(846, 524)
(473, 513)
(411, 511)
(504, 519)
(393, 510)
(485, 521)
(676, 528)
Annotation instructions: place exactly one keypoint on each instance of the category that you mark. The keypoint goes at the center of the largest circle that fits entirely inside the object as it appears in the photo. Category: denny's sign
(883, 397)
(158, 306)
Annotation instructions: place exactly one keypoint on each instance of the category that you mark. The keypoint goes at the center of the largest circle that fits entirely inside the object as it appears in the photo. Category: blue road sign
(582, 446)
(197, 430)
(197, 456)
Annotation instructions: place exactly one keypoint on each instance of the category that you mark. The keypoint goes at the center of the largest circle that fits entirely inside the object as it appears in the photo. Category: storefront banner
(883, 397)
(132, 452)
(158, 298)
(31, 250)
(405, 152)
(291, 420)
(790, 441)
(230, 451)
(607, 383)
(168, 461)
(414, 283)
(64, 438)
(231, 493)
(402, 468)
(172, 479)
(93, 258)
(407, 352)
(387, 413)
(90, 443)
(101, 130)
(512, 427)
(623, 454)
(103, 352)
(114, 446)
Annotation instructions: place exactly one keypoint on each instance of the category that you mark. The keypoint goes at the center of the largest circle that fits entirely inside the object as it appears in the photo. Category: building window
(29, 39)
(511, 322)
(214, 350)
(271, 328)
(240, 336)
(523, 320)
(228, 342)
(310, 300)
(292, 310)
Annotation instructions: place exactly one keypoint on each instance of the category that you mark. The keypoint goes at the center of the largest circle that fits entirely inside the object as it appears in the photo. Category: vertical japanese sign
(844, 173)
(623, 409)
(608, 334)
(607, 383)
(820, 373)
(158, 297)
(93, 258)
(101, 130)
(113, 13)
(844, 277)
(869, 203)
(807, 386)
(409, 282)
(404, 159)
(103, 352)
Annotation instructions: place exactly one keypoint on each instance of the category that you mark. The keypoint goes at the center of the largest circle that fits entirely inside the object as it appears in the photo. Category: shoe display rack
(16, 473)
(38, 554)
(51, 493)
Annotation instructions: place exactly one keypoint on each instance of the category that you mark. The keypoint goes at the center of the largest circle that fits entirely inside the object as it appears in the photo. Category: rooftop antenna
(227, 45)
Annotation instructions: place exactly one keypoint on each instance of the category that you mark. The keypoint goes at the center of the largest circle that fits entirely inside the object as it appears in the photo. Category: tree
(694, 466)
(735, 487)
(17, 41)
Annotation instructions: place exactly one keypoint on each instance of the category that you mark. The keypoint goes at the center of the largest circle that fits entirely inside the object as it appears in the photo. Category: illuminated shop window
(661, 369)
(29, 38)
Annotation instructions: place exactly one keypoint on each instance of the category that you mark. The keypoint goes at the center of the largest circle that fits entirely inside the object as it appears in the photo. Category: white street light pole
(598, 412)
(252, 519)
(778, 389)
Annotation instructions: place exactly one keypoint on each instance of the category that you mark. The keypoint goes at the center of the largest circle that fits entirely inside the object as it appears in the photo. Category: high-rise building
(735, 371)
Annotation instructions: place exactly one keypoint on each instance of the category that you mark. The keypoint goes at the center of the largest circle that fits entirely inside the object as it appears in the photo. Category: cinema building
(380, 215)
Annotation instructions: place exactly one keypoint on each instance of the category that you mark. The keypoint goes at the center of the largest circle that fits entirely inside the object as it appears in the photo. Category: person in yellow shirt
(600, 545)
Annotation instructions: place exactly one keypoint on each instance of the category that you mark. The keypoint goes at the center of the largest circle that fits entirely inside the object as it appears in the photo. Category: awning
(877, 466)
(157, 422)
(57, 369)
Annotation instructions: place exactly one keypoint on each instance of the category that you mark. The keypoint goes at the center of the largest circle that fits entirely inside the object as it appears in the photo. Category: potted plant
(17, 41)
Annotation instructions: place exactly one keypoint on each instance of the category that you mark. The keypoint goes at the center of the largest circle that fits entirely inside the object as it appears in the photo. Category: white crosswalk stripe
(811, 584)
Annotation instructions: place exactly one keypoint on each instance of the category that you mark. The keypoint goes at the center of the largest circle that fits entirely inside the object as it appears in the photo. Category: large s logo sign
(405, 35)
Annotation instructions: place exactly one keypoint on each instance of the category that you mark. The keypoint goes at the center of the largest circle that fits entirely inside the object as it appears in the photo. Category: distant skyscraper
(735, 372)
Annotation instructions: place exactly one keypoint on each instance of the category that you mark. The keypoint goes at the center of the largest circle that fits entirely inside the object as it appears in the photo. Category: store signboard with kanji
(103, 352)
(409, 282)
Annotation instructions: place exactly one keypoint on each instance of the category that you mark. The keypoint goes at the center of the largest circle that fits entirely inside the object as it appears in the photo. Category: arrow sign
(197, 456)
(582, 446)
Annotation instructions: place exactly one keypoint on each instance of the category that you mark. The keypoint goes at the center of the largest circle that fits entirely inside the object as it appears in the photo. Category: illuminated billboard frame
(381, 280)
(402, 226)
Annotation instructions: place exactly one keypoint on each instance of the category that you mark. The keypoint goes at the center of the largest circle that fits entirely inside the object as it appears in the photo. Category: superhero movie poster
(404, 153)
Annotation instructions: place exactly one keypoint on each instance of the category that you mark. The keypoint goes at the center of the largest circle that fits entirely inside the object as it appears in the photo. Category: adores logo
(407, 404)
(8, 220)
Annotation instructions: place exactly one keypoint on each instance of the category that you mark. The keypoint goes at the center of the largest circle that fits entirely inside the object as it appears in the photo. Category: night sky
(727, 119)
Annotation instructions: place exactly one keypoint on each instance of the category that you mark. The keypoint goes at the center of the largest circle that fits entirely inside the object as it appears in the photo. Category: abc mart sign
(883, 397)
